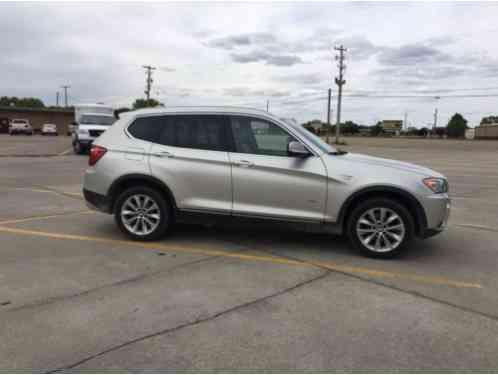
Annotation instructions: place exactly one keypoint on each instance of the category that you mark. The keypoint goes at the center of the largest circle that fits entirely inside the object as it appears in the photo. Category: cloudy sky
(401, 56)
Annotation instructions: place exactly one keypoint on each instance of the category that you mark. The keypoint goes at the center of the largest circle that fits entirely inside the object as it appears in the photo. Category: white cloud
(243, 53)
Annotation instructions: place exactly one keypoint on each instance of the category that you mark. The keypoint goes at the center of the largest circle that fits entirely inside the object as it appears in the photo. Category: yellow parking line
(65, 152)
(270, 259)
(31, 218)
(47, 190)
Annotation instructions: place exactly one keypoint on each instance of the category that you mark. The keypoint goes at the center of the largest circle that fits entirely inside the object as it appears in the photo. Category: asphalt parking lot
(35, 145)
(76, 295)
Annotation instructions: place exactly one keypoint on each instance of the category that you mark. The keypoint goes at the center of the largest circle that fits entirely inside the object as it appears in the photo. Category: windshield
(312, 138)
(97, 120)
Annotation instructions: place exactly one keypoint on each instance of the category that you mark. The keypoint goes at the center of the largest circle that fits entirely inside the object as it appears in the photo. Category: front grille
(95, 133)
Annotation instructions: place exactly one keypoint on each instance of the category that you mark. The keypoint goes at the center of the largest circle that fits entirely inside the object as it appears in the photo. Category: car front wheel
(142, 214)
(380, 228)
(78, 148)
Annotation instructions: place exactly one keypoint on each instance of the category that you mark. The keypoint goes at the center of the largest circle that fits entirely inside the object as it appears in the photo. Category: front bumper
(97, 201)
(437, 208)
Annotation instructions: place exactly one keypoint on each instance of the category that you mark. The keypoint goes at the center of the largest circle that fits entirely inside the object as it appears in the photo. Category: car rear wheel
(142, 214)
(380, 228)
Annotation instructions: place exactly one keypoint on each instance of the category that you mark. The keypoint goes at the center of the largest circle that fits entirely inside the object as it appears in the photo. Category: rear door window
(204, 132)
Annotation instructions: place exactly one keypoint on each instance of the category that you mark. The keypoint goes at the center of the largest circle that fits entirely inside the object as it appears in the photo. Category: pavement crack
(192, 323)
(382, 284)
(130, 280)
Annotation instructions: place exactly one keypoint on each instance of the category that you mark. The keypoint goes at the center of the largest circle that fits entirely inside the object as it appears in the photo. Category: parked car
(49, 129)
(71, 128)
(155, 166)
(20, 126)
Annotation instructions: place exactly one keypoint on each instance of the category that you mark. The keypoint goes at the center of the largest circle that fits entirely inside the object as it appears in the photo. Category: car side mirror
(295, 148)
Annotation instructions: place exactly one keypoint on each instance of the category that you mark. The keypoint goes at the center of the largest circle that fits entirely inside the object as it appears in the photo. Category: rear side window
(147, 128)
(205, 132)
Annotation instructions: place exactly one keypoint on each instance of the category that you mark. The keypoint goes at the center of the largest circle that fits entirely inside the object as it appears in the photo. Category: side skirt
(239, 221)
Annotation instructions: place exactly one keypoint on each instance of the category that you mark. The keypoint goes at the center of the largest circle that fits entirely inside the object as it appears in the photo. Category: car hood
(389, 163)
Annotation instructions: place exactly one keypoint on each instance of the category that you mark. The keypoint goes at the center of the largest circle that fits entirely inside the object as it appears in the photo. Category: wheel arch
(404, 197)
(137, 179)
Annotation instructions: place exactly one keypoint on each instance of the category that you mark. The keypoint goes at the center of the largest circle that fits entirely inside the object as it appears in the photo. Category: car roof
(202, 109)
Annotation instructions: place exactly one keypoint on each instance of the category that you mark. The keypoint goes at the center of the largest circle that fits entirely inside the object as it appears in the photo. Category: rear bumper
(97, 202)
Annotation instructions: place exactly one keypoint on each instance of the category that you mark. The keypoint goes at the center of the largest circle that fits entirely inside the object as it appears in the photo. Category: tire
(389, 236)
(78, 148)
(162, 208)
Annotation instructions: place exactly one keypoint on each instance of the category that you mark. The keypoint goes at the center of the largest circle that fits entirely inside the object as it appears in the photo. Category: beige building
(61, 117)
(392, 126)
(487, 131)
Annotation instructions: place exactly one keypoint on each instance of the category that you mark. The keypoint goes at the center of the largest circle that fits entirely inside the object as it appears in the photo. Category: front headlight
(437, 185)
(82, 131)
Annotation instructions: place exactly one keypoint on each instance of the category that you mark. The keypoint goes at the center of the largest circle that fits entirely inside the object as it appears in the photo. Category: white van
(91, 120)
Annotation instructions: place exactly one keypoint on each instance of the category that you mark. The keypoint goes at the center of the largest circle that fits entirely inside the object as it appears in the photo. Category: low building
(61, 117)
(487, 131)
(391, 126)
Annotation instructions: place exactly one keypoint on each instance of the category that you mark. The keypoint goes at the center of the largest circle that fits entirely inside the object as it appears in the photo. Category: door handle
(244, 163)
(164, 154)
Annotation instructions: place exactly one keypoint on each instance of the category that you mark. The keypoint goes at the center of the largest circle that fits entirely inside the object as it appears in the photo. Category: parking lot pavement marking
(476, 226)
(65, 152)
(270, 259)
(40, 217)
(44, 189)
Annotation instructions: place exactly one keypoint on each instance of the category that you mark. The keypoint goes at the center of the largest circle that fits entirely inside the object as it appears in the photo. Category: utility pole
(267, 105)
(405, 124)
(65, 87)
(435, 116)
(328, 115)
(57, 98)
(339, 81)
(148, 82)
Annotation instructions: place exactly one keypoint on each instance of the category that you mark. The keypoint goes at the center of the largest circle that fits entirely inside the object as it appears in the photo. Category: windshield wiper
(338, 152)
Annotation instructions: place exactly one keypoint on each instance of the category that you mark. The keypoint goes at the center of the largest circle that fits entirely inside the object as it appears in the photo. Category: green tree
(13, 101)
(456, 126)
(489, 120)
(349, 127)
(145, 103)
(377, 129)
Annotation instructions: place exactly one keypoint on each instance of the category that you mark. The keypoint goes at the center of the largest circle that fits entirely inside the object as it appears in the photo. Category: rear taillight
(96, 152)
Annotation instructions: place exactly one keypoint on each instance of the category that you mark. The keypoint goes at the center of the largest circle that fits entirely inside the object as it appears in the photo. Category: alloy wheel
(380, 229)
(140, 214)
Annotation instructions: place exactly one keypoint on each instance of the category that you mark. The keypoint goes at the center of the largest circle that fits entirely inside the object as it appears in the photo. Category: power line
(148, 82)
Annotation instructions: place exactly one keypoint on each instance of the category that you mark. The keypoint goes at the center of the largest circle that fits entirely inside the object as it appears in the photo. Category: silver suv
(156, 166)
